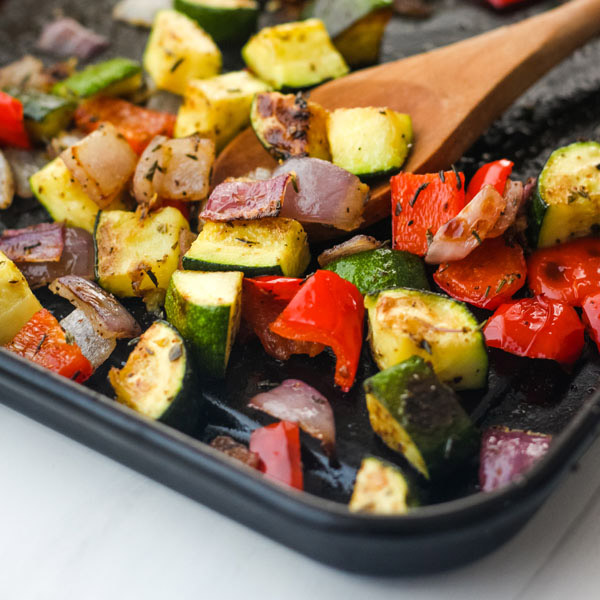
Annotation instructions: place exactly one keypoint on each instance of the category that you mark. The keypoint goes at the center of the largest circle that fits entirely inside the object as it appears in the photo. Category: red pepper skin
(421, 204)
(138, 125)
(568, 272)
(12, 124)
(537, 328)
(278, 447)
(487, 277)
(43, 341)
(180, 205)
(328, 310)
(494, 173)
(591, 317)
(500, 4)
(264, 299)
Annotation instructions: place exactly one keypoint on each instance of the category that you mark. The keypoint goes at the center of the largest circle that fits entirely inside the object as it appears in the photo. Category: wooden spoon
(453, 94)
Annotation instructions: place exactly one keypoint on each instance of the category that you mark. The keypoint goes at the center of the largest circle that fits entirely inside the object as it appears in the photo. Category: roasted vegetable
(355, 245)
(17, 302)
(294, 55)
(64, 199)
(12, 122)
(157, 380)
(405, 322)
(114, 77)
(206, 310)
(43, 242)
(381, 269)
(179, 50)
(135, 255)
(495, 174)
(381, 489)
(591, 317)
(7, 183)
(66, 37)
(271, 246)
(288, 125)
(420, 417)
(227, 21)
(567, 203)
(218, 107)
(369, 141)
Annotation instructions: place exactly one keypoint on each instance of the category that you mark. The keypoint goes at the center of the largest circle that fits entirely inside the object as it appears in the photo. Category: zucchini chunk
(17, 302)
(369, 141)
(218, 107)
(114, 77)
(270, 246)
(231, 21)
(415, 414)
(206, 309)
(288, 125)
(567, 202)
(380, 269)
(294, 55)
(45, 115)
(406, 322)
(179, 50)
(355, 26)
(157, 380)
(381, 489)
(136, 255)
(64, 198)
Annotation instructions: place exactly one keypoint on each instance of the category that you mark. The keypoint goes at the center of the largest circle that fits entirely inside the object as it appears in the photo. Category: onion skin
(356, 244)
(67, 37)
(43, 242)
(108, 316)
(7, 183)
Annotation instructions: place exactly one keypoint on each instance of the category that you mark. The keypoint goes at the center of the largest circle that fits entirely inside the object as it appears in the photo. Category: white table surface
(76, 525)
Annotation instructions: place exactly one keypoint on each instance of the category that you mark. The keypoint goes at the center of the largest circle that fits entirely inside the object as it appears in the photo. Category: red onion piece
(67, 37)
(24, 163)
(300, 403)
(27, 73)
(108, 316)
(246, 199)
(513, 196)
(7, 183)
(78, 257)
(43, 242)
(508, 454)
(139, 12)
(356, 244)
(102, 163)
(93, 346)
(327, 194)
(234, 449)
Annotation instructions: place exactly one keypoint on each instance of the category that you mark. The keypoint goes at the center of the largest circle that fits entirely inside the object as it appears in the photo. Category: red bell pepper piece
(328, 310)
(43, 341)
(182, 206)
(494, 173)
(569, 272)
(12, 124)
(278, 446)
(264, 299)
(591, 317)
(538, 328)
(487, 277)
(500, 4)
(421, 204)
(138, 125)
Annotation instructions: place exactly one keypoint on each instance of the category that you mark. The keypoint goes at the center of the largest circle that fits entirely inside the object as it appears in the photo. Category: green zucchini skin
(416, 414)
(194, 264)
(375, 270)
(566, 203)
(223, 23)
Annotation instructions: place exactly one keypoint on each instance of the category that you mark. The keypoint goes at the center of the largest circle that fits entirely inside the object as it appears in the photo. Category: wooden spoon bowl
(453, 94)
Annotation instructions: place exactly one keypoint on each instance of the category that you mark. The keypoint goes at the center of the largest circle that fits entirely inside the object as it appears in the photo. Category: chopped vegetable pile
(132, 213)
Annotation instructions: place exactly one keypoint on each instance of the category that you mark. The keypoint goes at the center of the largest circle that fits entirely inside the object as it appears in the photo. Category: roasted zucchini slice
(114, 77)
(136, 255)
(567, 202)
(380, 269)
(381, 489)
(270, 246)
(218, 107)
(369, 141)
(64, 198)
(294, 55)
(179, 50)
(231, 21)
(157, 380)
(406, 322)
(206, 309)
(17, 302)
(288, 125)
(415, 414)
